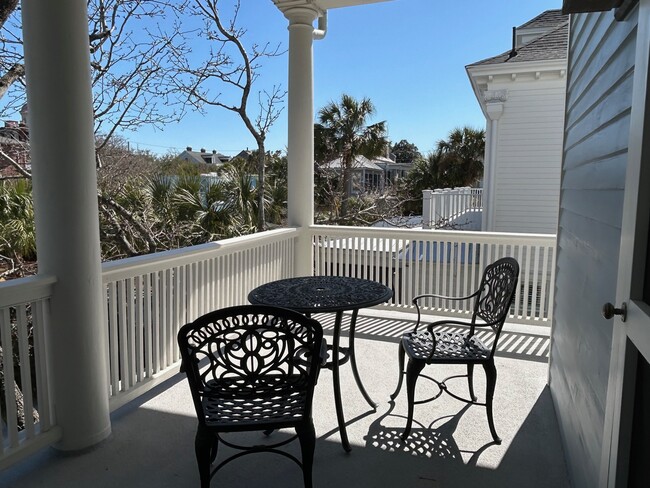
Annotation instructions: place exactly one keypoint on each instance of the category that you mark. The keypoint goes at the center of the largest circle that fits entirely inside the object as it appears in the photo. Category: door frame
(631, 273)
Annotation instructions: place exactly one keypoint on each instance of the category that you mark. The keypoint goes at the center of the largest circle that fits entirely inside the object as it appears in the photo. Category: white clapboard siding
(529, 156)
(601, 65)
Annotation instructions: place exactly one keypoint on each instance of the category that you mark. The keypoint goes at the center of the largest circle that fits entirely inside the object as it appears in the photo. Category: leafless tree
(130, 51)
(225, 78)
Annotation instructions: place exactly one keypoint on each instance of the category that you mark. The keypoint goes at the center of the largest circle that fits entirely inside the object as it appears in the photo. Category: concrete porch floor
(450, 444)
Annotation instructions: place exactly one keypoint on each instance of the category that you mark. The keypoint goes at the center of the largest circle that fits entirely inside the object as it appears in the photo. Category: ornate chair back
(497, 290)
(250, 350)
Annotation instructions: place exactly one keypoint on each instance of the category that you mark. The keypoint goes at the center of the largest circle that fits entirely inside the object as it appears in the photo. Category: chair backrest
(498, 288)
(234, 350)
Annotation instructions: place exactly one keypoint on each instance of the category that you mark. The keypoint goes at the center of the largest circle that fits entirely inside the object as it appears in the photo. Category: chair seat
(276, 401)
(450, 347)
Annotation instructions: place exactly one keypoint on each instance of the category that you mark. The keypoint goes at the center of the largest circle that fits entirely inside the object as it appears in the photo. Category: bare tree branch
(229, 65)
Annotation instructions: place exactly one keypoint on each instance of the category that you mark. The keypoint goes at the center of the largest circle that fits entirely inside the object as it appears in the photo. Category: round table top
(313, 294)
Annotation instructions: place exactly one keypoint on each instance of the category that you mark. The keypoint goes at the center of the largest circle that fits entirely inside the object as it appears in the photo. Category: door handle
(610, 310)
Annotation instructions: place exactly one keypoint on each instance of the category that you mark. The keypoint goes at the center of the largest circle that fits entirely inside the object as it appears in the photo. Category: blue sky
(407, 56)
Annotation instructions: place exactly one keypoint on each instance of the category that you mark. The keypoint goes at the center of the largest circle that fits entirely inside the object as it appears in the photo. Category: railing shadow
(526, 346)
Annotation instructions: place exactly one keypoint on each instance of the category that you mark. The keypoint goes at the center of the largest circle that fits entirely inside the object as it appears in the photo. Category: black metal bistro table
(318, 294)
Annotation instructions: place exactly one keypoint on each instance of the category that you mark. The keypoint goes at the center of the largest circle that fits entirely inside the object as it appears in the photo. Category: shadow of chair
(251, 368)
(492, 301)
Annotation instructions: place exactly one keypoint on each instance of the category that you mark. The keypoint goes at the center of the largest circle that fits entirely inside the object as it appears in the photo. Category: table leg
(353, 360)
(337, 382)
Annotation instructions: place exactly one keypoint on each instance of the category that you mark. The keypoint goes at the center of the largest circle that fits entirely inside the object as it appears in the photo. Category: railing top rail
(435, 234)
(122, 268)
(23, 290)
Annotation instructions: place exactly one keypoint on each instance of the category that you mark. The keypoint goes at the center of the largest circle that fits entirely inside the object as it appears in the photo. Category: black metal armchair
(251, 368)
(492, 303)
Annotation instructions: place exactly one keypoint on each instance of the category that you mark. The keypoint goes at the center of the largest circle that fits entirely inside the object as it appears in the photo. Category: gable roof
(550, 46)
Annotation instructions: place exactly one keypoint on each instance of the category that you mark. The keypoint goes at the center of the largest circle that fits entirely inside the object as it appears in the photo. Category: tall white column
(59, 100)
(494, 102)
(300, 152)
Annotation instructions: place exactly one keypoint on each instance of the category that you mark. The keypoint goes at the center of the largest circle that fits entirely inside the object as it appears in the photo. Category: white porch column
(59, 98)
(300, 152)
(494, 102)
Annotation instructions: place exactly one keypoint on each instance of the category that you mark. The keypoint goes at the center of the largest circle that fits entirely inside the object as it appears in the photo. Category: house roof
(549, 18)
(550, 46)
(199, 156)
(361, 162)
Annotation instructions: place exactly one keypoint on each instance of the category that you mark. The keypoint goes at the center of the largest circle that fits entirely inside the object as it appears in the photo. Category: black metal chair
(252, 368)
(492, 303)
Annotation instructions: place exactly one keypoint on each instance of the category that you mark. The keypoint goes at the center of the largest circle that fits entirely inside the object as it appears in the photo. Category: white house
(521, 93)
(371, 174)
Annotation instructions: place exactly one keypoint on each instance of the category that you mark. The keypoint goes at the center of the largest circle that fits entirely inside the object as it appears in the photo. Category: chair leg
(412, 372)
(470, 381)
(214, 448)
(203, 446)
(307, 437)
(491, 380)
(400, 379)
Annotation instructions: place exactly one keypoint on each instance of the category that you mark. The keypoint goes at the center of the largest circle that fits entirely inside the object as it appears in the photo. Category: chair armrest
(431, 295)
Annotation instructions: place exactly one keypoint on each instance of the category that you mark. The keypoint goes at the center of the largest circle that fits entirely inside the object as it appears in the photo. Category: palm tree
(343, 132)
(424, 175)
(17, 230)
(462, 156)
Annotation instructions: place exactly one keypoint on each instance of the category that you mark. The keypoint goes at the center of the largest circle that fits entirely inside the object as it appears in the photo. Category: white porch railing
(148, 298)
(444, 206)
(441, 262)
(24, 313)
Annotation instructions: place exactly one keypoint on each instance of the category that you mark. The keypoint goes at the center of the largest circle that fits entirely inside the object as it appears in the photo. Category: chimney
(513, 53)
(214, 151)
(202, 149)
(188, 148)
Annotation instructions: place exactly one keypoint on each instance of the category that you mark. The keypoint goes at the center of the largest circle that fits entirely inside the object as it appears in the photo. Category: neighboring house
(371, 174)
(14, 144)
(203, 156)
(521, 93)
(393, 171)
(246, 155)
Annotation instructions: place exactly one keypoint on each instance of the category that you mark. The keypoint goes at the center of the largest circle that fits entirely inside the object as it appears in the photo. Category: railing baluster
(8, 370)
(148, 328)
(25, 369)
(113, 338)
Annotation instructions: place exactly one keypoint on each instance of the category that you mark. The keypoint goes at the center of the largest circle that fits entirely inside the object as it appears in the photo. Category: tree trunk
(261, 159)
(347, 185)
